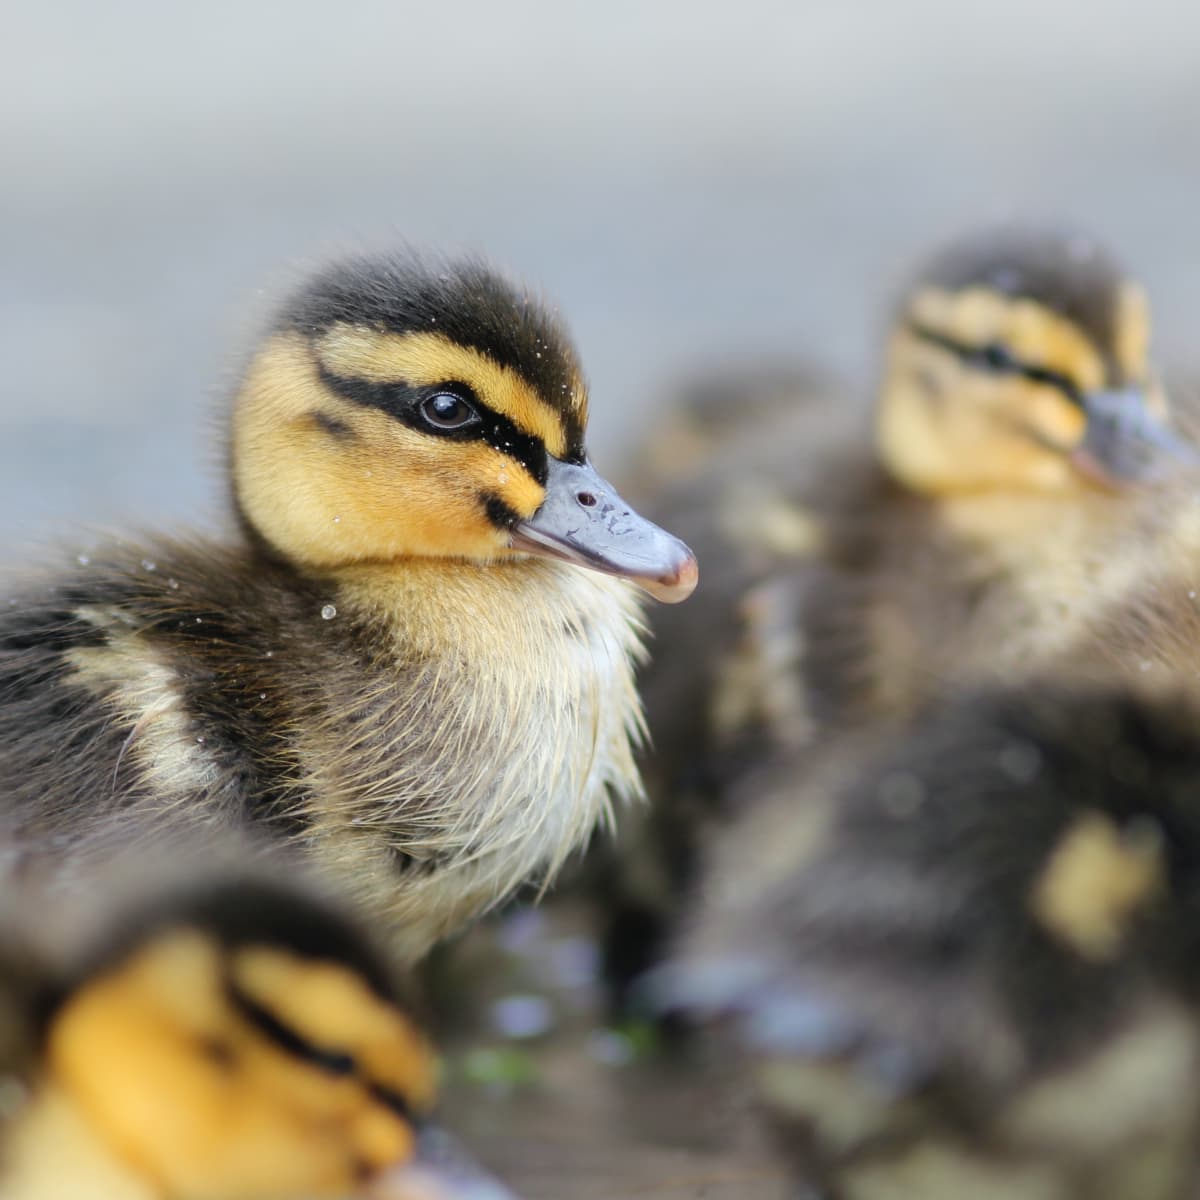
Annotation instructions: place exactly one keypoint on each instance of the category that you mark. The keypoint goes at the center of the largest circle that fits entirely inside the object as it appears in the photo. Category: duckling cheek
(426, 504)
(1056, 422)
(518, 490)
(460, 504)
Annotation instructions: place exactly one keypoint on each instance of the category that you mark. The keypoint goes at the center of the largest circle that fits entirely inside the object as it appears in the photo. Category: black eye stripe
(402, 401)
(390, 1098)
(333, 1062)
(987, 358)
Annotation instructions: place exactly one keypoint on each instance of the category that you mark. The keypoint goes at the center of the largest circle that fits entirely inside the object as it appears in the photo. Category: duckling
(1016, 485)
(1018, 426)
(1024, 455)
(236, 1040)
(415, 660)
(960, 959)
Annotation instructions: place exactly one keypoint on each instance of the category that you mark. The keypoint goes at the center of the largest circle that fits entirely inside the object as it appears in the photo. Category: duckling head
(1019, 360)
(243, 1042)
(405, 409)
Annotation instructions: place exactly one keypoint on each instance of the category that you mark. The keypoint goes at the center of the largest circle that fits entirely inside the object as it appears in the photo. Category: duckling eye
(998, 356)
(445, 410)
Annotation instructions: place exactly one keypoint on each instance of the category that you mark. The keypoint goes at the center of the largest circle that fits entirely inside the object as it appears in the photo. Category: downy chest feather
(447, 733)
(1048, 566)
(491, 743)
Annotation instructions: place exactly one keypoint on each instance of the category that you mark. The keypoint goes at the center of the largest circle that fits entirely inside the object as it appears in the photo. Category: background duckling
(401, 664)
(999, 506)
(238, 1040)
(1018, 414)
(963, 961)
(1018, 424)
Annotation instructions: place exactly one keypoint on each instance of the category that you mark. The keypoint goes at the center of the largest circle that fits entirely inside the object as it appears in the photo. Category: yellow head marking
(1035, 335)
(1094, 882)
(331, 482)
(328, 1005)
(949, 424)
(421, 359)
(199, 1100)
(1131, 343)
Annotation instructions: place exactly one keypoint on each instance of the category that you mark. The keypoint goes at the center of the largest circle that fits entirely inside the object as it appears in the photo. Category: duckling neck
(1045, 568)
(481, 609)
(489, 736)
(1043, 536)
(1000, 516)
(51, 1151)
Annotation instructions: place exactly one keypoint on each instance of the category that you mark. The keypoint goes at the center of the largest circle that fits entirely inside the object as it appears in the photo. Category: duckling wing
(152, 675)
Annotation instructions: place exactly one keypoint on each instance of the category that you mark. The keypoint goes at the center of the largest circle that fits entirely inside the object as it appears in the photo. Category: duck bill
(441, 1170)
(584, 521)
(1126, 443)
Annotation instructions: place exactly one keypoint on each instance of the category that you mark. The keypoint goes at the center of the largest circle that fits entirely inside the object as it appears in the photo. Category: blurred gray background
(693, 182)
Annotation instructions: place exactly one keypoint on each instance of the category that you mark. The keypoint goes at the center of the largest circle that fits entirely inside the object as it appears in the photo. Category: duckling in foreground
(963, 962)
(1020, 482)
(417, 659)
(232, 1041)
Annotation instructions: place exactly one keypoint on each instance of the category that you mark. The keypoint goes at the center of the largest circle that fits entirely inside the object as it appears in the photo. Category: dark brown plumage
(1004, 511)
(962, 959)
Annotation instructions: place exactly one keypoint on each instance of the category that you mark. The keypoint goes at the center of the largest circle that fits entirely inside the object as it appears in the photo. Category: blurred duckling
(1006, 495)
(963, 961)
(235, 1041)
(1023, 455)
(1012, 491)
(417, 658)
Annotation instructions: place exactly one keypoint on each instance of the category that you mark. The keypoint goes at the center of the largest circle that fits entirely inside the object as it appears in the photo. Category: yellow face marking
(381, 491)
(331, 1007)
(425, 359)
(1132, 347)
(1037, 336)
(946, 425)
(1094, 883)
(1132, 341)
(200, 1102)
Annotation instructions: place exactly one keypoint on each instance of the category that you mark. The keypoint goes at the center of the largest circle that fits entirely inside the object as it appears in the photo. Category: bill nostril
(586, 499)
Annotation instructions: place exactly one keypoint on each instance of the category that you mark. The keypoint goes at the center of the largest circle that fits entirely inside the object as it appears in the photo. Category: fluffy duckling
(1018, 427)
(236, 1041)
(963, 962)
(416, 660)
(1019, 430)
(1003, 504)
